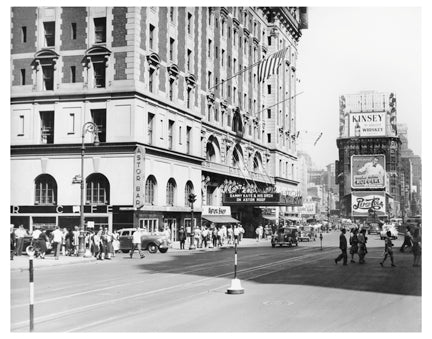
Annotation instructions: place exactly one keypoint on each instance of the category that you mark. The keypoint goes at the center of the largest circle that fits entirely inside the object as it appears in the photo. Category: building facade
(172, 120)
(369, 141)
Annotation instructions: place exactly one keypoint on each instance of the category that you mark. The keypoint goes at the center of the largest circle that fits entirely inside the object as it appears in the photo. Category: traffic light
(192, 198)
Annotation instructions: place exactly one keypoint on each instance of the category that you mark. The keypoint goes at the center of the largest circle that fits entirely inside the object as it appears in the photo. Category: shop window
(150, 189)
(45, 190)
(170, 192)
(98, 189)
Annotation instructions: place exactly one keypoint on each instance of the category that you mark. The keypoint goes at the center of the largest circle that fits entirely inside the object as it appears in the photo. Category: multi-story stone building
(174, 115)
(368, 130)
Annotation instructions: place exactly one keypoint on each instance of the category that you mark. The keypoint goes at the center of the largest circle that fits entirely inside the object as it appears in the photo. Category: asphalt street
(297, 289)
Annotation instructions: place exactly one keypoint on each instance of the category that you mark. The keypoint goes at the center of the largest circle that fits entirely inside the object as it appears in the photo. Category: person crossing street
(343, 248)
(136, 243)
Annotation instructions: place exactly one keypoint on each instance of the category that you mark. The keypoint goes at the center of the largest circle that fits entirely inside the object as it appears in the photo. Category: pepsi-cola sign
(362, 202)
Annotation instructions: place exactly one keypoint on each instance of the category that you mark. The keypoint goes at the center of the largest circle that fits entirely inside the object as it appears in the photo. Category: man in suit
(343, 247)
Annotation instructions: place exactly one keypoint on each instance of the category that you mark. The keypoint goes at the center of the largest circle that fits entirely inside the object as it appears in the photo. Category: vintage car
(285, 236)
(149, 241)
(391, 228)
(308, 233)
(373, 228)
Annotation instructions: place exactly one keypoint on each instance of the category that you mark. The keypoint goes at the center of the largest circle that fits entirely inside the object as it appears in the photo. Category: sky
(350, 49)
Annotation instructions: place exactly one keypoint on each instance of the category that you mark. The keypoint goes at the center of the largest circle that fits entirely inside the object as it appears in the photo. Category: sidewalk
(20, 263)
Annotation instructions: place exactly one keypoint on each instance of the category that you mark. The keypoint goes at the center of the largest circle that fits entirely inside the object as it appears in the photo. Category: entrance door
(151, 225)
(172, 225)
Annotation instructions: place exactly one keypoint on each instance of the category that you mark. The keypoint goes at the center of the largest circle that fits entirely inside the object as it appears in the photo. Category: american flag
(270, 65)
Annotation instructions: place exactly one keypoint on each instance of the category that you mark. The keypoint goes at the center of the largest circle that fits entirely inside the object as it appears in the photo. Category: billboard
(367, 124)
(368, 171)
(307, 208)
(361, 202)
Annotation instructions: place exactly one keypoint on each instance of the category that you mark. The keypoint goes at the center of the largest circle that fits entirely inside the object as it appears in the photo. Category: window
(23, 74)
(24, 34)
(21, 125)
(216, 114)
(216, 52)
(222, 56)
(280, 167)
(171, 49)
(99, 68)
(150, 188)
(223, 27)
(209, 16)
(171, 89)
(222, 87)
(72, 123)
(48, 77)
(99, 118)
(170, 192)
(268, 89)
(209, 77)
(47, 127)
(209, 194)
(234, 36)
(171, 14)
(100, 30)
(269, 40)
(97, 189)
(229, 119)
(151, 36)
(229, 61)
(235, 95)
(188, 190)
(150, 120)
(45, 190)
(209, 107)
(49, 28)
(73, 74)
(189, 23)
(189, 60)
(151, 79)
(268, 137)
(268, 113)
(188, 139)
(188, 97)
(170, 134)
(73, 31)
(234, 64)
(209, 48)
(180, 135)
(229, 91)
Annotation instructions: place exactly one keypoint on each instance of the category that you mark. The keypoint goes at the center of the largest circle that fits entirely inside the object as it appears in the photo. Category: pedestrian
(197, 237)
(76, 234)
(69, 242)
(407, 240)
(215, 236)
(388, 249)
(354, 244)
(220, 237)
(110, 248)
(57, 236)
(236, 233)
(416, 248)
(362, 246)
(96, 244)
(20, 233)
(116, 243)
(63, 242)
(258, 233)
(104, 244)
(182, 237)
(204, 236)
(42, 243)
(241, 232)
(343, 248)
(12, 241)
(136, 243)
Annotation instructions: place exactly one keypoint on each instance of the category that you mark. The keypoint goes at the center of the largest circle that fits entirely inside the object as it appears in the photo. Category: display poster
(368, 171)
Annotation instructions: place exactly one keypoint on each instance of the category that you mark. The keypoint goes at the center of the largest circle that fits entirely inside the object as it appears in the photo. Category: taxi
(285, 236)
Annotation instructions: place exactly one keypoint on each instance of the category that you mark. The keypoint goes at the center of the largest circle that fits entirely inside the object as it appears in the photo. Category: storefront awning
(269, 217)
(220, 219)
(292, 218)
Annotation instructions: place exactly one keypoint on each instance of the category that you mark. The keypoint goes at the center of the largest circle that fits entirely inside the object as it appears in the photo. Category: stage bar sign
(139, 177)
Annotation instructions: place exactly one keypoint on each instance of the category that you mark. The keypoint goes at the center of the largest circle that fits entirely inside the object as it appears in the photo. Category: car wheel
(125, 251)
(163, 250)
(152, 248)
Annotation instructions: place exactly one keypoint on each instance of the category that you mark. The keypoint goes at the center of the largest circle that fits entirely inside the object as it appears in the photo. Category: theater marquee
(262, 199)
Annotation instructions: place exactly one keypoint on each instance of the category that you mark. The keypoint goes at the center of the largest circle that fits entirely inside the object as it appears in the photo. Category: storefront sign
(216, 210)
(368, 171)
(361, 202)
(61, 209)
(139, 177)
(367, 124)
(307, 208)
(264, 199)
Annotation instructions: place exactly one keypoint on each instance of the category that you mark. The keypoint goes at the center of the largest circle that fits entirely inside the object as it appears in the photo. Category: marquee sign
(139, 177)
(361, 202)
(263, 199)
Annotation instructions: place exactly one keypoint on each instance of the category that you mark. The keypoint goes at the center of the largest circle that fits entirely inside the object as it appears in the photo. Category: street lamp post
(191, 199)
(92, 128)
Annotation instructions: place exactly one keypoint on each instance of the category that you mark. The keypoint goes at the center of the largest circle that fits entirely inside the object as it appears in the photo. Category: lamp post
(191, 199)
(92, 128)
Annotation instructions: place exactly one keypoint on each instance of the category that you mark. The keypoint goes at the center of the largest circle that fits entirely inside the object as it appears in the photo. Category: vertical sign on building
(138, 199)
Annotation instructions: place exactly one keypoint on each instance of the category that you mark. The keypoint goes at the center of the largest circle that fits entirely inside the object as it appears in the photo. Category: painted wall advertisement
(368, 171)
(361, 202)
(367, 124)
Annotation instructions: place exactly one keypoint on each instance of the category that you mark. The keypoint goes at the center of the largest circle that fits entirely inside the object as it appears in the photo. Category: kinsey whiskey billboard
(362, 202)
(263, 199)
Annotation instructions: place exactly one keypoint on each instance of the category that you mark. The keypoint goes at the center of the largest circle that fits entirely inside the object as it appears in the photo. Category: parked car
(285, 236)
(391, 228)
(151, 242)
(374, 228)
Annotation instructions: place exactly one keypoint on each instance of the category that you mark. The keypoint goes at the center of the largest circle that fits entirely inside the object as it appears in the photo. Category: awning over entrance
(220, 219)
(269, 217)
(292, 218)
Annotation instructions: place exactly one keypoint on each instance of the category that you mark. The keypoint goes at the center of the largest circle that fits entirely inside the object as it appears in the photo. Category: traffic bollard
(235, 283)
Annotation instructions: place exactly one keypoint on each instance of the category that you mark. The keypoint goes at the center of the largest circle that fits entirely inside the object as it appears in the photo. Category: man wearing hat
(343, 247)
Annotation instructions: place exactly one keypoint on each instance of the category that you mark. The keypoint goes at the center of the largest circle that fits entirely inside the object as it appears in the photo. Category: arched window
(237, 124)
(257, 163)
(45, 190)
(170, 192)
(98, 189)
(150, 189)
(188, 190)
(237, 157)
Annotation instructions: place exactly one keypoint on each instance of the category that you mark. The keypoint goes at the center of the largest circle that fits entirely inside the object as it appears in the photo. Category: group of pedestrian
(212, 236)
(358, 246)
